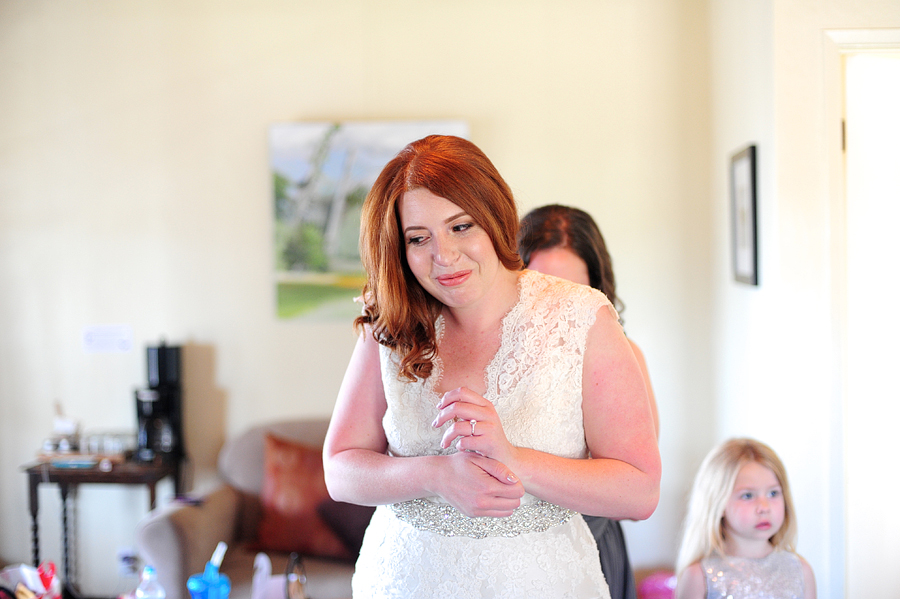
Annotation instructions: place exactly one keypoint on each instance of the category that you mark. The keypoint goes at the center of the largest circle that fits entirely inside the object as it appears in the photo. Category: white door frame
(836, 44)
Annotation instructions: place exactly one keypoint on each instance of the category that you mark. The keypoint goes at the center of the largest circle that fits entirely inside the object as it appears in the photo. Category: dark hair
(553, 226)
(401, 313)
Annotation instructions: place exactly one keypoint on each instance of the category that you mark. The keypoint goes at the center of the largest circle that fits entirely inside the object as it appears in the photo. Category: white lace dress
(426, 548)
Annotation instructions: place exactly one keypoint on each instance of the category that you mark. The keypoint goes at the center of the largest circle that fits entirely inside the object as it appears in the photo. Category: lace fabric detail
(534, 381)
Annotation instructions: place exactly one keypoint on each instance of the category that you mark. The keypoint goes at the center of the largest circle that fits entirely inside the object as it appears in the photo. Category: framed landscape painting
(321, 173)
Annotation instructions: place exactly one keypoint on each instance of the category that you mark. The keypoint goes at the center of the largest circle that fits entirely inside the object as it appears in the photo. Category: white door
(872, 410)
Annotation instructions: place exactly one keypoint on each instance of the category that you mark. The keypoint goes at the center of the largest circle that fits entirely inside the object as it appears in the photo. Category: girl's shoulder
(691, 583)
(809, 579)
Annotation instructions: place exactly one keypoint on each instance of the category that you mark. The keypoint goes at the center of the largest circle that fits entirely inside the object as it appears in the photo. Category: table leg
(33, 481)
(152, 487)
(64, 493)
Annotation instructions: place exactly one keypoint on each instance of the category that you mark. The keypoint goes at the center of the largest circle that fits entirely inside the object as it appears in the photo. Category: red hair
(398, 309)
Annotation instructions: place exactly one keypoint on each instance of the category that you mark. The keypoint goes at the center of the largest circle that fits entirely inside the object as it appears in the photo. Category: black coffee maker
(159, 407)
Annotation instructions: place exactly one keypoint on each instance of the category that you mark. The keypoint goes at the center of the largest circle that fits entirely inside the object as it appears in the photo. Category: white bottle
(149, 587)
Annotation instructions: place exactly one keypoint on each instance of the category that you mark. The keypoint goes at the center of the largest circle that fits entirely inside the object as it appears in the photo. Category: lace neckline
(490, 369)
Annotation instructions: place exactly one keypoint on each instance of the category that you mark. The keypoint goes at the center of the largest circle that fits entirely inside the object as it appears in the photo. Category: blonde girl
(741, 529)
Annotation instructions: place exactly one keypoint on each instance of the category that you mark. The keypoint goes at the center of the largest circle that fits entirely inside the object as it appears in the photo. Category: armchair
(178, 539)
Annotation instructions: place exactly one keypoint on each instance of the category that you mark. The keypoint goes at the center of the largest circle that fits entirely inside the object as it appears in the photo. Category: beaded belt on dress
(446, 520)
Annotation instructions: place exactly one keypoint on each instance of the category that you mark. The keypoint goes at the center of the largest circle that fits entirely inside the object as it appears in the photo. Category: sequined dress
(427, 548)
(779, 575)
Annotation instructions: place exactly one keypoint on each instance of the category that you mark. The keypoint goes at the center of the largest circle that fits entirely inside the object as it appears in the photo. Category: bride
(484, 407)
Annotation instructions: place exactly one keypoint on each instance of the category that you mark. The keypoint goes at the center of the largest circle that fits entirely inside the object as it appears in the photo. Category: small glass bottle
(295, 578)
(149, 588)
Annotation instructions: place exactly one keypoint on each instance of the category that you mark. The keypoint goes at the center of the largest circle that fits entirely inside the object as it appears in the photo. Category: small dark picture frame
(745, 252)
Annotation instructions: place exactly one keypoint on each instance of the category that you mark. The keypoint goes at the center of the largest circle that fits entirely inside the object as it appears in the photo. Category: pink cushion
(658, 585)
(293, 489)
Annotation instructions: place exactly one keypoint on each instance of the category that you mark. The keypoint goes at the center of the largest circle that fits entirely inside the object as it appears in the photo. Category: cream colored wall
(776, 348)
(135, 189)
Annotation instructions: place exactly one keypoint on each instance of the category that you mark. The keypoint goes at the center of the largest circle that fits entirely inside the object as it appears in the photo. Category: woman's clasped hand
(476, 426)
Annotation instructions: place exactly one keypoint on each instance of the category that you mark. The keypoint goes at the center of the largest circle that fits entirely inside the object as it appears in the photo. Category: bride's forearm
(597, 487)
(366, 477)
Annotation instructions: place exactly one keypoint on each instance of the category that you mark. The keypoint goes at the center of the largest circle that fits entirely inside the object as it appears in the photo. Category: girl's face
(755, 510)
(451, 256)
(560, 262)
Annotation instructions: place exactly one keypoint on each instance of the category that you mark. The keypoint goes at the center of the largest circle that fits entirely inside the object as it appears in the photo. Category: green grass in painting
(295, 299)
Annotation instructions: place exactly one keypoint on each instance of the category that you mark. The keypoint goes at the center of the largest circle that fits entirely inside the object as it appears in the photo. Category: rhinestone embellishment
(446, 520)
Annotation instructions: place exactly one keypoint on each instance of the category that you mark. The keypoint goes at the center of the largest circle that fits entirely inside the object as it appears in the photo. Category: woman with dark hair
(472, 408)
(550, 232)
(566, 242)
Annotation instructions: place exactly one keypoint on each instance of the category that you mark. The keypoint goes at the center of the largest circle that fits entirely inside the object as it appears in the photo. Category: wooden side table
(124, 473)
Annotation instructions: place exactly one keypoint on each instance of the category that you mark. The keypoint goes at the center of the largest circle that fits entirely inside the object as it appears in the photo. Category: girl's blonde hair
(703, 531)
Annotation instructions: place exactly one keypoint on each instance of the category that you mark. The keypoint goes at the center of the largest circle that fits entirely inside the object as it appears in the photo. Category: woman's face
(450, 255)
(560, 262)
